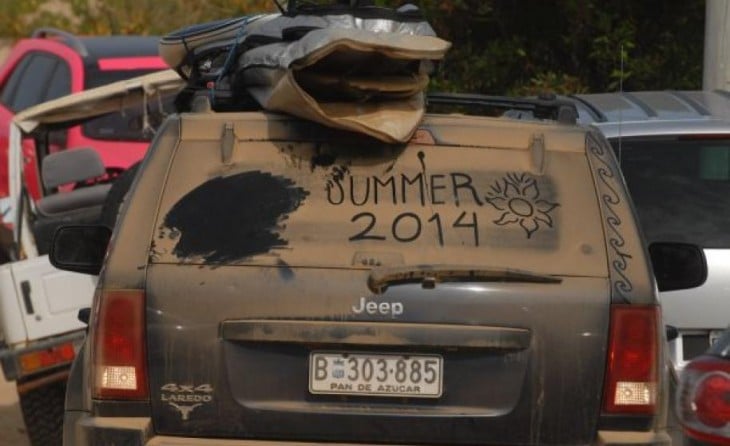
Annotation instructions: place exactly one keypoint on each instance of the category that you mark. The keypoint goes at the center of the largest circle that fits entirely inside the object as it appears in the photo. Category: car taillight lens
(712, 400)
(704, 400)
(37, 360)
(633, 355)
(120, 370)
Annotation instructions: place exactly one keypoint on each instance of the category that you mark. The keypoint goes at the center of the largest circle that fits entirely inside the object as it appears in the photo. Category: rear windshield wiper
(429, 275)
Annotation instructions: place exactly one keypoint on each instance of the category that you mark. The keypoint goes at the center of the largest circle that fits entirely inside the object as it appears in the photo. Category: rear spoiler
(542, 107)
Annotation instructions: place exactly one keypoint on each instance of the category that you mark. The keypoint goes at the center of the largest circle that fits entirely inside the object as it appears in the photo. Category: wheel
(42, 409)
(117, 193)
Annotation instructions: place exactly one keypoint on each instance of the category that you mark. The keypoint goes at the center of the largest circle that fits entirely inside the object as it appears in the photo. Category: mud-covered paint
(285, 271)
(255, 204)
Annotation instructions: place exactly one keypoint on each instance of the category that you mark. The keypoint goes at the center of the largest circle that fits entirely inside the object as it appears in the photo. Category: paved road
(12, 429)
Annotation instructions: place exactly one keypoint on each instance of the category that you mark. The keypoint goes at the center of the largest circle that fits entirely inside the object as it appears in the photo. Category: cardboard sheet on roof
(98, 101)
(363, 70)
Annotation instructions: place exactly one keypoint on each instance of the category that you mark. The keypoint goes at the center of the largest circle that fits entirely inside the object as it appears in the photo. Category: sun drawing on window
(517, 197)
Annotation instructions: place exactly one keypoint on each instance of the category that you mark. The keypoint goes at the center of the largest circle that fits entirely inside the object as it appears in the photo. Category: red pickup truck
(53, 63)
(37, 346)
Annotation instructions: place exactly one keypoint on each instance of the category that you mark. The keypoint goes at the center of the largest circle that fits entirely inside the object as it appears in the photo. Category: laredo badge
(186, 398)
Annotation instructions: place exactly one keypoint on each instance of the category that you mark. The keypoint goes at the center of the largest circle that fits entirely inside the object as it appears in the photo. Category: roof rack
(292, 4)
(543, 107)
(70, 39)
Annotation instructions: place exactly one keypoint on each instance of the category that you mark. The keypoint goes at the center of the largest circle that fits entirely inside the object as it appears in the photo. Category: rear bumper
(174, 441)
(81, 429)
(610, 438)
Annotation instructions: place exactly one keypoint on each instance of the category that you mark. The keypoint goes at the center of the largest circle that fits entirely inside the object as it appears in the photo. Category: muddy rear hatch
(313, 286)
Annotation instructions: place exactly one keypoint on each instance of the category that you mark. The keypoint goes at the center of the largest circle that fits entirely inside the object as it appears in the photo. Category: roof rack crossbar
(549, 107)
(293, 4)
(696, 106)
(597, 114)
(722, 92)
(630, 97)
(71, 40)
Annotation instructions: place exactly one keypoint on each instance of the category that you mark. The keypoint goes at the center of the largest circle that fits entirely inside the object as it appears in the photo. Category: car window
(60, 83)
(680, 188)
(96, 77)
(59, 86)
(128, 125)
(33, 85)
(366, 205)
(10, 89)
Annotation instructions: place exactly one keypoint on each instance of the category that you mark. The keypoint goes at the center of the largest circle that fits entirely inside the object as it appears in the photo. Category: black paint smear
(321, 160)
(336, 175)
(422, 159)
(285, 271)
(232, 218)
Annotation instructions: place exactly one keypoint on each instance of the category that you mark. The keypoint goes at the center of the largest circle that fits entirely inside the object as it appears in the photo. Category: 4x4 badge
(176, 395)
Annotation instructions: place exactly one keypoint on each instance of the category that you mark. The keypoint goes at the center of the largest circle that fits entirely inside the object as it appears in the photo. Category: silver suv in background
(674, 151)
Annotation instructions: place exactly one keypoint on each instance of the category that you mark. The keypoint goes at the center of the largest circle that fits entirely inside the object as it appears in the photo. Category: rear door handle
(377, 333)
(25, 290)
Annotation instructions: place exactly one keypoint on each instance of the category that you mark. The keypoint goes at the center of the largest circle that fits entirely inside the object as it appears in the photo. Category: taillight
(704, 400)
(633, 356)
(712, 400)
(37, 360)
(120, 370)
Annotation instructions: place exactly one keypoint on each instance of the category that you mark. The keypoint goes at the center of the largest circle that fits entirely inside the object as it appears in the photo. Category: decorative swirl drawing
(517, 196)
(611, 199)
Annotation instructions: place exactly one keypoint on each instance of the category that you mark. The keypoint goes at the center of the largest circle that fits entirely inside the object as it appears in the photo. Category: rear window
(680, 188)
(362, 206)
(129, 124)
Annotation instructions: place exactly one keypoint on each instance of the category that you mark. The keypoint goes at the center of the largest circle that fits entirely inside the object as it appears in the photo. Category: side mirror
(80, 249)
(678, 266)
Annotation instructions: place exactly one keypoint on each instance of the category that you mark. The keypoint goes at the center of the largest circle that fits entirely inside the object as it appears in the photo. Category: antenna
(279, 7)
(621, 92)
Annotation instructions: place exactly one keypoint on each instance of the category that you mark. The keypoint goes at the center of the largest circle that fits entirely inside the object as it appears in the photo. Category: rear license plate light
(376, 374)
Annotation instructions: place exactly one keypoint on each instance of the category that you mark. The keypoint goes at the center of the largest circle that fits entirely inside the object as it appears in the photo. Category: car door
(54, 75)
(10, 83)
(22, 90)
(680, 186)
(49, 298)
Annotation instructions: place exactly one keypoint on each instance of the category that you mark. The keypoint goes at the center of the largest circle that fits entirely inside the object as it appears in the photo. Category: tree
(499, 46)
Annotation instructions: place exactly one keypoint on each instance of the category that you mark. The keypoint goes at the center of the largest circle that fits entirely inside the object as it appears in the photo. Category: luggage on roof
(359, 68)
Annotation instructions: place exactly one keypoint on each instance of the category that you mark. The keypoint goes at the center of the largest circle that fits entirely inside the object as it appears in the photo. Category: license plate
(417, 376)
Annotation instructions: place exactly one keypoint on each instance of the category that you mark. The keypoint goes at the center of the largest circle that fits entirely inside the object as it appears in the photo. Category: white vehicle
(674, 150)
(41, 327)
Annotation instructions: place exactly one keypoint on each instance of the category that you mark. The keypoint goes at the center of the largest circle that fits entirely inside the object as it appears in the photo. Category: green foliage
(15, 17)
(499, 46)
(104, 17)
(527, 46)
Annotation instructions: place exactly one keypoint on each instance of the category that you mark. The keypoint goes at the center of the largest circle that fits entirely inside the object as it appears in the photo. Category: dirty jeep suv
(270, 281)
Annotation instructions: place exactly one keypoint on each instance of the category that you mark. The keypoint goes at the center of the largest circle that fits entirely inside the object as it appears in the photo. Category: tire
(116, 196)
(42, 410)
